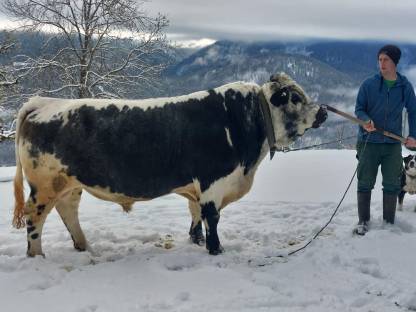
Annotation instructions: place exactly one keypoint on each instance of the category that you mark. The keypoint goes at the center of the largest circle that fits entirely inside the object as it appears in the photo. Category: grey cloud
(297, 19)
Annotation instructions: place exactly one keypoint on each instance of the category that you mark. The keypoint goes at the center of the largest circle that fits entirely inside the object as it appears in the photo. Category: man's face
(386, 65)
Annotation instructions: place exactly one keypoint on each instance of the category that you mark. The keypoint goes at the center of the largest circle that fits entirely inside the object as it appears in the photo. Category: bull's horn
(274, 78)
(272, 151)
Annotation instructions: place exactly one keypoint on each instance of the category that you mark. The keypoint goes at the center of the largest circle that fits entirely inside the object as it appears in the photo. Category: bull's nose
(321, 116)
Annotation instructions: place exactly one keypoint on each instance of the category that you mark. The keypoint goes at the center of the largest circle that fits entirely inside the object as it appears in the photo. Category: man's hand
(410, 142)
(369, 126)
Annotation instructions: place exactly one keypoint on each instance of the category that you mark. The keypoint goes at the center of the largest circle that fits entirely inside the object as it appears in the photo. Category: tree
(94, 48)
(6, 79)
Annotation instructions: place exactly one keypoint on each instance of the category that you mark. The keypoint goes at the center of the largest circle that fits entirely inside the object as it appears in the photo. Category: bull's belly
(115, 185)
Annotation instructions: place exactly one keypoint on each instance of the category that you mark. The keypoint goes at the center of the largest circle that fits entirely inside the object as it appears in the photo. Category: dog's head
(410, 164)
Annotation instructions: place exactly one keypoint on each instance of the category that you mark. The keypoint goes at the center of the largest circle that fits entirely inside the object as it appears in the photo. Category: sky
(289, 20)
(202, 22)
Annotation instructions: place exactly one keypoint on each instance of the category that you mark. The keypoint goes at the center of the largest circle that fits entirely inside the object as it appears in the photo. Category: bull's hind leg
(36, 211)
(195, 232)
(67, 208)
(211, 216)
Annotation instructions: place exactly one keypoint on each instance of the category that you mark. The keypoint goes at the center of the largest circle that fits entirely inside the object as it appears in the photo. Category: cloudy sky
(290, 19)
(206, 20)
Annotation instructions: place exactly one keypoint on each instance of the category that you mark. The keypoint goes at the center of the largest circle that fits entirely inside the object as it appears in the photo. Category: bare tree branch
(105, 47)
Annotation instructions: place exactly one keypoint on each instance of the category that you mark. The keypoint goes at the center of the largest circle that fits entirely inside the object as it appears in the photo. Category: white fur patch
(232, 183)
(243, 87)
(227, 132)
(222, 186)
(50, 108)
(53, 108)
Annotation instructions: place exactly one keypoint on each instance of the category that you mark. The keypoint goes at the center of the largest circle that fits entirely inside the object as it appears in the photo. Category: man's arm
(411, 111)
(361, 109)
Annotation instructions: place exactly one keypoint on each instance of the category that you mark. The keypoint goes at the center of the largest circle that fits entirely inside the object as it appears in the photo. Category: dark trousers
(389, 156)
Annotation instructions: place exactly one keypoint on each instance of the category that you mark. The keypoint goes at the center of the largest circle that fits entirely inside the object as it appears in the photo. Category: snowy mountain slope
(226, 61)
(292, 197)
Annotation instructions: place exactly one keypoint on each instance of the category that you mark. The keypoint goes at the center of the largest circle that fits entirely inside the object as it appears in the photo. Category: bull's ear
(407, 158)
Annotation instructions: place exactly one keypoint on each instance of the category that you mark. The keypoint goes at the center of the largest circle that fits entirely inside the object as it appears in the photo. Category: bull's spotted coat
(205, 146)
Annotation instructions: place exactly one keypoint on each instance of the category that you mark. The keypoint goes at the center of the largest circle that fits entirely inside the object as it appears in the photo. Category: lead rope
(332, 216)
(287, 150)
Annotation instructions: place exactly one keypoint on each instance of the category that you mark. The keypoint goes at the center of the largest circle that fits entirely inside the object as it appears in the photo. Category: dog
(408, 179)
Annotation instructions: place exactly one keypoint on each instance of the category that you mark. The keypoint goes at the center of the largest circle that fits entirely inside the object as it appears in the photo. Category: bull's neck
(267, 122)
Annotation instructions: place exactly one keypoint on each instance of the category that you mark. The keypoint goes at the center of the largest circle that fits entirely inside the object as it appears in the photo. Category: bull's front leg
(195, 232)
(210, 216)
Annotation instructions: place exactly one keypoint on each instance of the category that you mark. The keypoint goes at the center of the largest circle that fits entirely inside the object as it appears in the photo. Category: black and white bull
(205, 146)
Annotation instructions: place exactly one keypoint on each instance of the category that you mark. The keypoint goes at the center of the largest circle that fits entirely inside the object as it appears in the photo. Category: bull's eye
(280, 97)
(296, 98)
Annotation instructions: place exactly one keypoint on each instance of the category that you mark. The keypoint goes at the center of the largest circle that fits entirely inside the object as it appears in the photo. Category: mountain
(357, 59)
(226, 61)
(330, 72)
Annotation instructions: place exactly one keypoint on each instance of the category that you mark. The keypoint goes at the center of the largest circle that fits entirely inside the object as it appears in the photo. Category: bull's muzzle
(320, 117)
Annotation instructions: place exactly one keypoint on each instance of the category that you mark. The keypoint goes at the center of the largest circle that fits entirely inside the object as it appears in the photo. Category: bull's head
(291, 110)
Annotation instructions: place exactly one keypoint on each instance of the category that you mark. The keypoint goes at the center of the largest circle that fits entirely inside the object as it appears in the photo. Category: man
(380, 102)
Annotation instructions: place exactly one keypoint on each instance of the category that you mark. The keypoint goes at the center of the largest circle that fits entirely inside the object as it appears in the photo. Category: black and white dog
(408, 179)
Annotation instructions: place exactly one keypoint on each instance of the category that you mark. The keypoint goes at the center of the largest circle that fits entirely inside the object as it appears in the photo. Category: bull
(205, 146)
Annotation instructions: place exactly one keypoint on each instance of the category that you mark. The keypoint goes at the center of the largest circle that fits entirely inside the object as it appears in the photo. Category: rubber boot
(363, 203)
(389, 207)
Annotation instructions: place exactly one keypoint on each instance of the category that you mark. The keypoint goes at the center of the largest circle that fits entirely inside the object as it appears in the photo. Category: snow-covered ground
(293, 196)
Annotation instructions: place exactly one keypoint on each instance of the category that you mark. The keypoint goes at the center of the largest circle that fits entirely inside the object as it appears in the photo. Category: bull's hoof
(195, 234)
(80, 248)
(216, 251)
(197, 239)
(32, 255)
(79, 244)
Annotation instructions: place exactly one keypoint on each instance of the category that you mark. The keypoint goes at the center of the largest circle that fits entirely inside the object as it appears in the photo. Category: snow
(292, 198)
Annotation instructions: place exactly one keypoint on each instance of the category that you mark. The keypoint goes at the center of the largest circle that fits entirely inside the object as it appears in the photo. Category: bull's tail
(19, 206)
(19, 201)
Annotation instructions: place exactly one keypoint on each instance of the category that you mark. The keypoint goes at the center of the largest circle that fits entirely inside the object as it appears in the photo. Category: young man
(380, 102)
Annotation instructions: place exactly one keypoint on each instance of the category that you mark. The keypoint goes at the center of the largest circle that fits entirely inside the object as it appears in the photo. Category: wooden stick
(363, 123)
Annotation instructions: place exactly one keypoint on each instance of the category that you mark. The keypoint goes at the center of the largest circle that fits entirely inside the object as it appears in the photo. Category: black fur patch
(212, 217)
(407, 161)
(147, 153)
(33, 192)
(291, 126)
(34, 236)
(279, 98)
(296, 98)
(30, 229)
(41, 208)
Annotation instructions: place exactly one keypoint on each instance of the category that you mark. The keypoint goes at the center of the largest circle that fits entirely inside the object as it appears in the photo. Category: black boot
(389, 207)
(363, 203)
